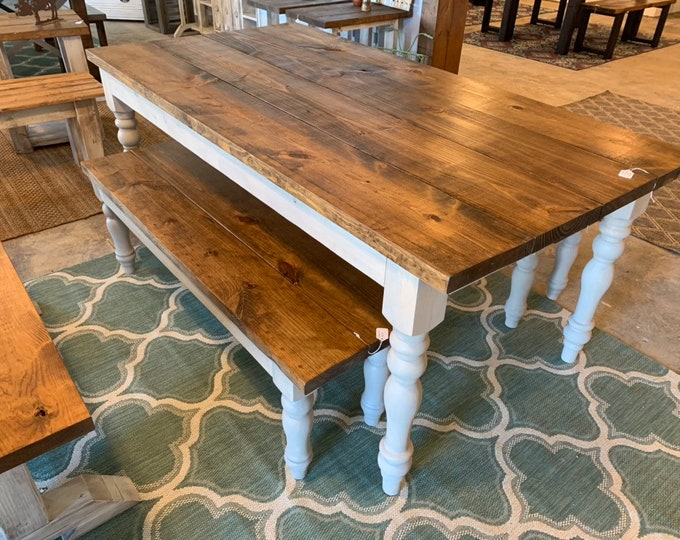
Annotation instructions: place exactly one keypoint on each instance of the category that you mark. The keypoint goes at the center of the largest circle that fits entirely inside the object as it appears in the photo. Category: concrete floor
(641, 307)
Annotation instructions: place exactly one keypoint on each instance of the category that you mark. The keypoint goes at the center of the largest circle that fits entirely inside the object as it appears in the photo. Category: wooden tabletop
(13, 28)
(281, 6)
(450, 178)
(40, 406)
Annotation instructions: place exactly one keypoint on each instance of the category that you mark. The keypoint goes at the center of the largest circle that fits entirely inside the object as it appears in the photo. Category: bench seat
(300, 310)
(40, 410)
(49, 98)
(618, 9)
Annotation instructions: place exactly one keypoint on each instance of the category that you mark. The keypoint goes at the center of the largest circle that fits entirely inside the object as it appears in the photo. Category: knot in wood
(288, 271)
(40, 410)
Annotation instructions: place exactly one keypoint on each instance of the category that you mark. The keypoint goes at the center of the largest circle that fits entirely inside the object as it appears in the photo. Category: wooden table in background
(423, 180)
(67, 31)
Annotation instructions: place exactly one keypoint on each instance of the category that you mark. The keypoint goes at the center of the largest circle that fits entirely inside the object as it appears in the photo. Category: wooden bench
(49, 98)
(40, 410)
(346, 17)
(303, 313)
(271, 11)
(618, 9)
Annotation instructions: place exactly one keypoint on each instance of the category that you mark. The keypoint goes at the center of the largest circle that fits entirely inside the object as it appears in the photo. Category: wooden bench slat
(614, 7)
(33, 92)
(346, 14)
(286, 304)
(41, 406)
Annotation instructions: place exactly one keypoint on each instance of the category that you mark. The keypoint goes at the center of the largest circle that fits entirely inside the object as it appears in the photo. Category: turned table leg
(599, 274)
(413, 308)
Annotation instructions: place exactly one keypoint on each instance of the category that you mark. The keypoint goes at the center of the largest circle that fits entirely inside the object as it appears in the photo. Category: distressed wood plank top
(29, 92)
(40, 405)
(281, 6)
(448, 177)
(13, 28)
(345, 15)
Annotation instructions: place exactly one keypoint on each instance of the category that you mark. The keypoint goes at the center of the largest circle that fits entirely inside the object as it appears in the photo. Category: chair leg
(486, 17)
(582, 26)
(614, 36)
(632, 26)
(536, 10)
(561, 8)
(660, 25)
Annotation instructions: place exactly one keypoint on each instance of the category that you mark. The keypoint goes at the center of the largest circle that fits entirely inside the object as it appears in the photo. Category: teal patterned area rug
(509, 443)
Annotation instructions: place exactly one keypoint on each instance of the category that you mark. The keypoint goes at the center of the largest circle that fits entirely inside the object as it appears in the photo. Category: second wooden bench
(618, 9)
(303, 313)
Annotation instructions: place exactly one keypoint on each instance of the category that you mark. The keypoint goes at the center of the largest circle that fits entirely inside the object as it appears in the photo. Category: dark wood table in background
(423, 180)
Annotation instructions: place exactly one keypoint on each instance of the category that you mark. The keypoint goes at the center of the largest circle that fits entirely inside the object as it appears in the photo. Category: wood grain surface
(13, 28)
(448, 177)
(40, 405)
(31, 92)
(300, 304)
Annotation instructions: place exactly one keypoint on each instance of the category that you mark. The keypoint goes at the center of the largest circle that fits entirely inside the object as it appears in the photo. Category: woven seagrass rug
(510, 443)
(538, 42)
(660, 224)
(46, 188)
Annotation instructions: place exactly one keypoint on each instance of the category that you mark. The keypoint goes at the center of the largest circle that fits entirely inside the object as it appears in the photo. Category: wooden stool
(65, 96)
(618, 9)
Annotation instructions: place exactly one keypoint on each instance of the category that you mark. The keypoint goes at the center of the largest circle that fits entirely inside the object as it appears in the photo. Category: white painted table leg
(522, 278)
(120, 234)
(407, 360)
(566, 253)
(598, 275)
(128, 136)
(413, 308)
(298, 419)
(375, 377)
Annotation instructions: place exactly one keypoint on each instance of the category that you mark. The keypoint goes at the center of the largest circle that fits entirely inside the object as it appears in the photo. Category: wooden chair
(346, 17)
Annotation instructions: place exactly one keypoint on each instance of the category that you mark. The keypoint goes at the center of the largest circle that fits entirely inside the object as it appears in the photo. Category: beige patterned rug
(46, 188)
(660, 225)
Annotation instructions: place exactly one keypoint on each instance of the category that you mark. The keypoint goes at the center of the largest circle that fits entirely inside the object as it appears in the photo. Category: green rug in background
(509, 443)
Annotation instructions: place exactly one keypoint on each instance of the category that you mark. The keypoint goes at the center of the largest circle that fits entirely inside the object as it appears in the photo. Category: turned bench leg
(120, 234)
(298, 418)
(375, 377)
(523, 277)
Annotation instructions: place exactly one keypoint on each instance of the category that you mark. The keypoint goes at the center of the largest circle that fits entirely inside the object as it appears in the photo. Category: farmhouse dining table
(424, 180)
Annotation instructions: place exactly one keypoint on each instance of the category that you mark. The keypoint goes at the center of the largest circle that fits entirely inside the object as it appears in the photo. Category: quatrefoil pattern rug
(509, 442)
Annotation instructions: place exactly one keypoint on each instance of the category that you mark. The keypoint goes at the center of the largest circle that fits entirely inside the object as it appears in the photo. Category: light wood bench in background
(303, 313)
(49, 98)
(346, 17)
(40, 410)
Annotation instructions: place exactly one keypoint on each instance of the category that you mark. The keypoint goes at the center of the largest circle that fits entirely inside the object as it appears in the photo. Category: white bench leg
(120, 234)
(522, 278)
(598, 275)
(375, 377)
(566, 253)
(298, 419)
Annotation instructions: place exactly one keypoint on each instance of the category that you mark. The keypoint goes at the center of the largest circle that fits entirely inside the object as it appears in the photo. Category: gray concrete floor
(641, 307)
